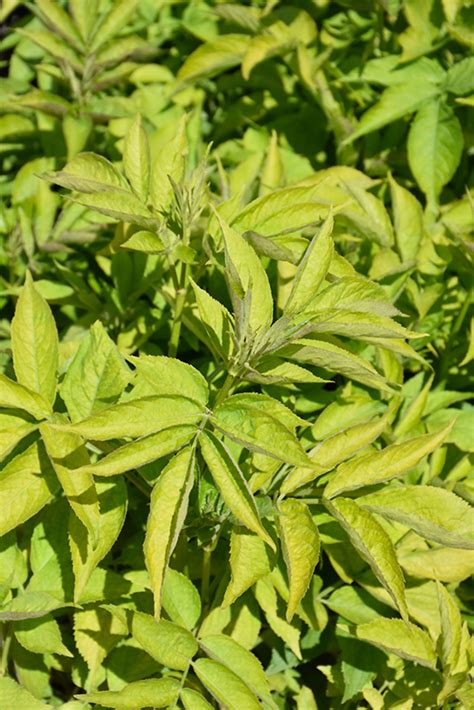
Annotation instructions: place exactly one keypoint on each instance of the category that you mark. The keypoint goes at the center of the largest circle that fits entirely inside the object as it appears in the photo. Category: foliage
(237, 340)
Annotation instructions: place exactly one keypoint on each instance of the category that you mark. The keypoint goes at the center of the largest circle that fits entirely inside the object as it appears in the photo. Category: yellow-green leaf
(136, 159)
(383, 465)
(35, 343)
(374, 545)
(225, 686)
(155, 692)
(300, 544)
(168, 507)
(249, 562)
(400, 637)
(167, 643)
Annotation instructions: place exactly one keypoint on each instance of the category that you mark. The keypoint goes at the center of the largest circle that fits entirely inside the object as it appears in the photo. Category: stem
(206, 574)
(6, 642)
(181, 294)
(225, 389)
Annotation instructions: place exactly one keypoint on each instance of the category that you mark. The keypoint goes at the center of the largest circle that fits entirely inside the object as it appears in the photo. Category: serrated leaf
(41, 636)
(155, 692)
(334, 358)
(137, 417)
(459, 77)
(249, 562)
(214, 56)
(383, 465)
(232, 485)
(169, 376)
(169, 644)
(16, 396)
(312, 269)
(27, 483)
(96, 377)
(395, 102)
(112, 22)
(168, 507)
(142, 451)
(251, 424)
(58, 20)
(225, 685)
(300, 545)
(216, 319)
(408, 221)
(136, 159)
(374, 545)
(67, 453)
(35, 343)
(12, 695)
(144, 241)
(435, 144)
(432, 512)
(86, 556)
(181, 599)
(331, 452)
(446, 564)
(95, 635)
(247, 278)
(90, 173)
(239, 660)
(122, 206)
(267, 599)
(192, 700)
(454, 638)
(400, 637)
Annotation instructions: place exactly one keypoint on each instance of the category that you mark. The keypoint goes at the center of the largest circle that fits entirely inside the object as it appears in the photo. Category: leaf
(331, 452)
(300, 544)
(214, 56)
(95, 635)
(400, 637)
(86, 556)
(238, 660)
(59, 21)
(35, 343)
(374, 545)
(459, 77)
(144, 241)
(142, 451)
(225, 685)
(261, 48)
(454, 638)
(246, 275)
(356, 294)
(180, 599)
(122, 206)
(169, 376)
(432, 512)
(246, 422)
(249, 562)
(67, 453)
(334, 358)
(232, 485)
(27, 484)
(41, 636)
(96, 377)
(12, 695)
(396, 101)
(169, 644)
(168, 507)
(16, 396)
(192, 700)
(216, 320)
(435, 144)
(155, 692)
(267, 599)
(383, 465)
(137, 417)
(112, 22)
(408, 219)
(91, 173)
(312, 269)
(136, 159)
(447, 564)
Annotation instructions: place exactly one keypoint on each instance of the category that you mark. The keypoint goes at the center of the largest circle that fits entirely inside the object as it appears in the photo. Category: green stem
(225, 389)
(181, 294)
(6, 642)
(206, 575)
